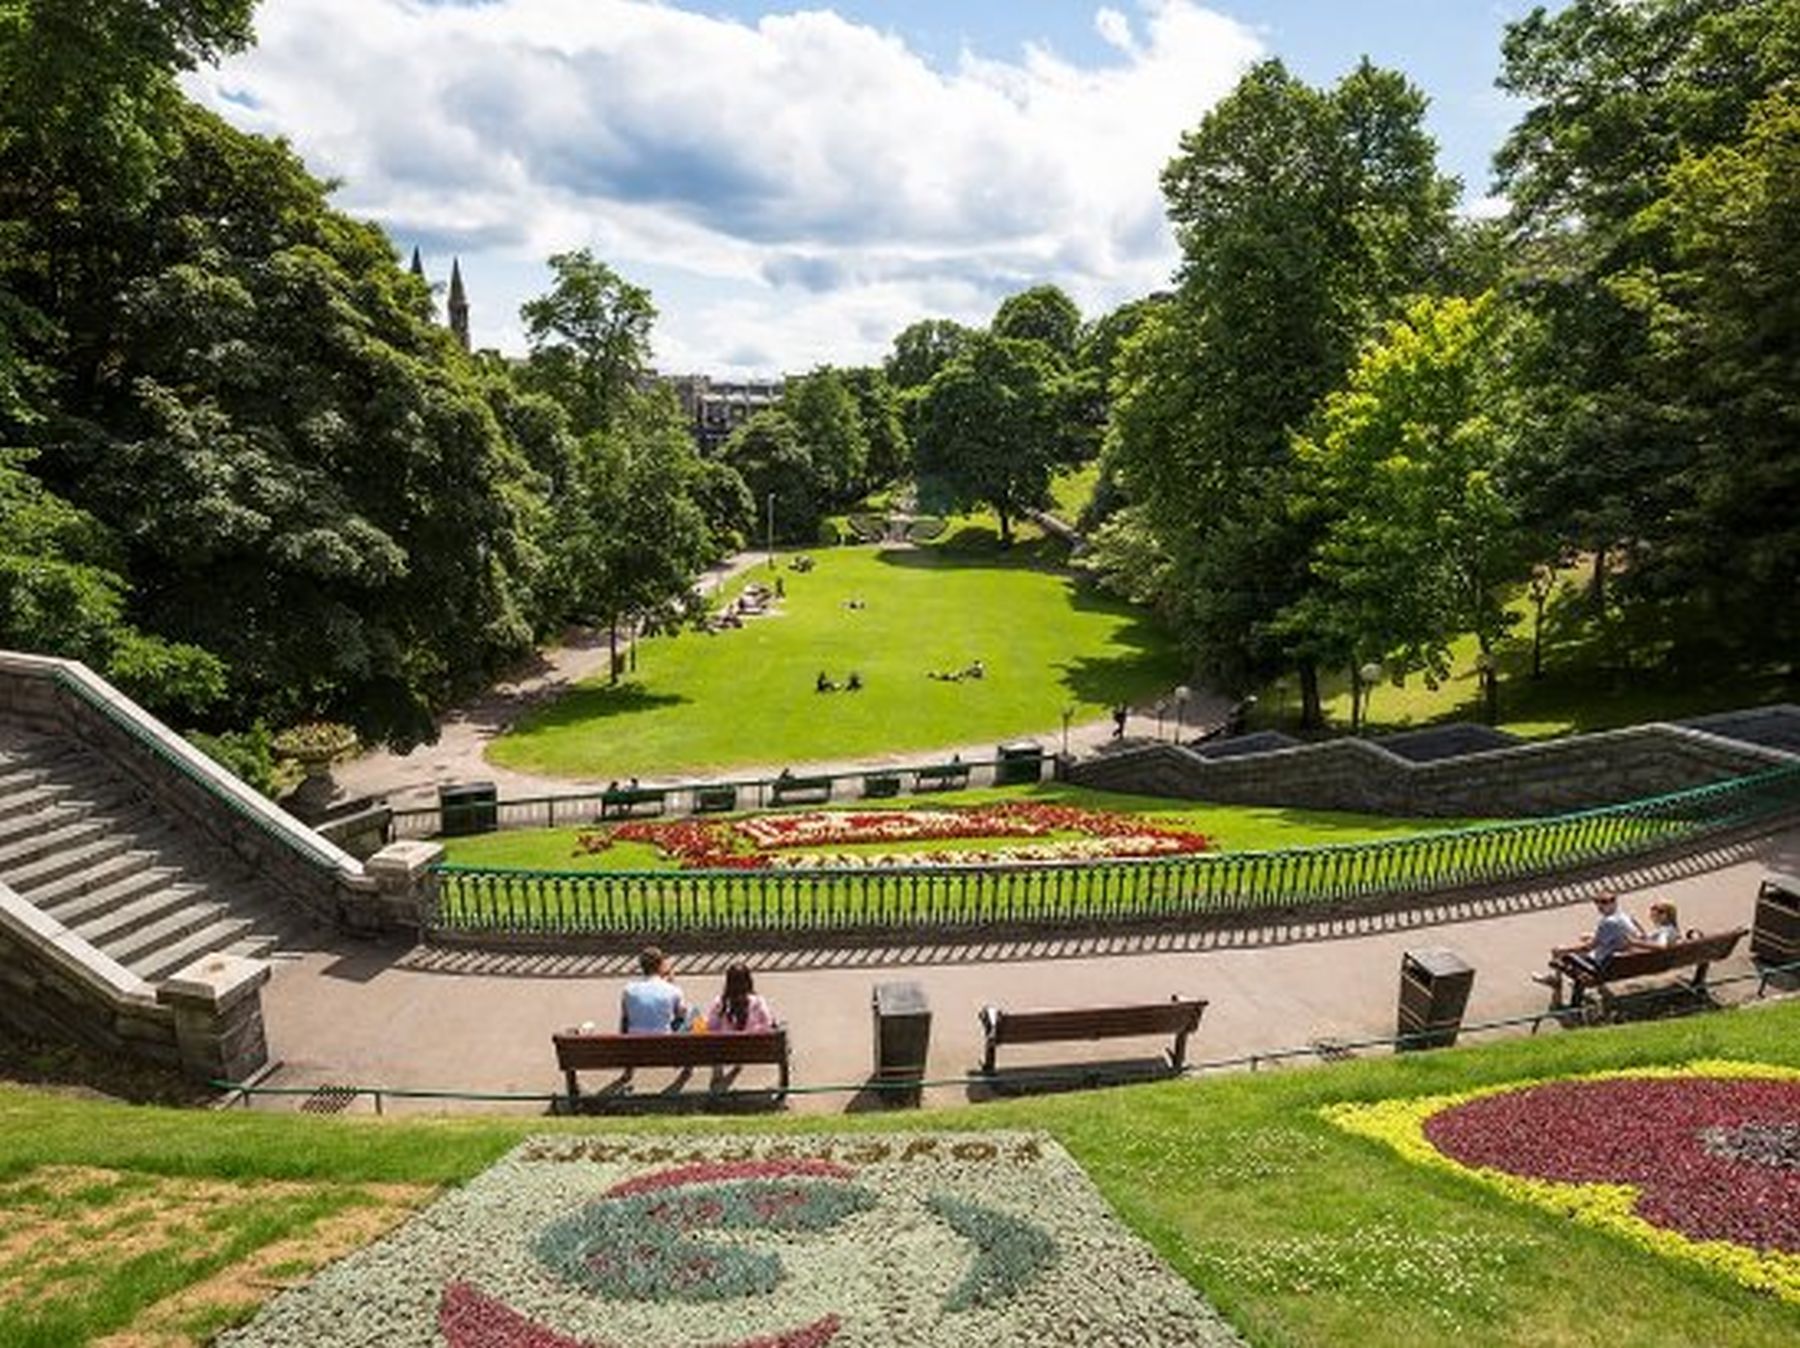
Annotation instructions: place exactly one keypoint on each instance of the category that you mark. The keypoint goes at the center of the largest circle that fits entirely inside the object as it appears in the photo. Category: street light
(1182, 694)
(1068, 715)
(1162, 711)
(1368, 676)
(771, 531)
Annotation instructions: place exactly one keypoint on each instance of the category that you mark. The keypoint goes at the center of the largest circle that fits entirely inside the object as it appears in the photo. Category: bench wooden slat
(1177, 1017)
(1695, 951)
(577, 1051)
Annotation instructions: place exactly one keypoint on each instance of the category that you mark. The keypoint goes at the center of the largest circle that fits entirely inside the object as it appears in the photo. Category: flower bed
(784, 840)
(578, 1242)
(1700, 1163)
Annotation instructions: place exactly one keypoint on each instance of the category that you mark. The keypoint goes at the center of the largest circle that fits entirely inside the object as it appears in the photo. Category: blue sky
(797, 184)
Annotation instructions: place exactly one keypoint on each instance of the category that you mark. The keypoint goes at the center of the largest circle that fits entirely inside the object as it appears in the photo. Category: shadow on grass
(588, 703)
(966, 549)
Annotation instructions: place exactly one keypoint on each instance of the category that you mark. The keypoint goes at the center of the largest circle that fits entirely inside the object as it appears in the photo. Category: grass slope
(706, 704)
(1302, 1234)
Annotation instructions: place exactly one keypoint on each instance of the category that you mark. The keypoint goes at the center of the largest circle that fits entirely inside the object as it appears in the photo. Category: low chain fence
(937, 900)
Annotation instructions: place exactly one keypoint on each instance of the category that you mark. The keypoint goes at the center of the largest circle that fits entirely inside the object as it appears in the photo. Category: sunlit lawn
(702, 703)
(1302, 1234)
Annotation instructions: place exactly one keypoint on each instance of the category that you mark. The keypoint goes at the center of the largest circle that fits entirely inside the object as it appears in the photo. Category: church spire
(459, 304)
(418, 263)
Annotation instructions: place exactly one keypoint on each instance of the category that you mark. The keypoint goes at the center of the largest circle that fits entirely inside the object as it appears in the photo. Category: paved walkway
(440, 1019)
(463, 735)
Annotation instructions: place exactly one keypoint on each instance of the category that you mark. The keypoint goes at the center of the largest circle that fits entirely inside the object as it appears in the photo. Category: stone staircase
(86, 844)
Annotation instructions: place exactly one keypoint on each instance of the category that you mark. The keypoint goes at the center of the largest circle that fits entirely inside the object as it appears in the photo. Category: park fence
(936, 901)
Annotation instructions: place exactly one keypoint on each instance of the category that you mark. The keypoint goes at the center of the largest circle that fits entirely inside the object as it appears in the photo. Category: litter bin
(902, 1038)
(469, 807)
(1019, 762)
(1434, 989)
(1775, 933)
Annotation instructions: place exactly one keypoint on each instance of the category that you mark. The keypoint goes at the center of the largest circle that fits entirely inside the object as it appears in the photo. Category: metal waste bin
(902, 1038)
(1775, 932)
(1019, 762)
(468, 807)
(1434, 990)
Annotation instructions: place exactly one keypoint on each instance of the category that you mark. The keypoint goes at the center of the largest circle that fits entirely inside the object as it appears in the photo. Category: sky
(795, 185)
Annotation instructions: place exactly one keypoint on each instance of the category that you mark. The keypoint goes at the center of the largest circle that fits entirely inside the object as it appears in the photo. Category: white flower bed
(990, 1239)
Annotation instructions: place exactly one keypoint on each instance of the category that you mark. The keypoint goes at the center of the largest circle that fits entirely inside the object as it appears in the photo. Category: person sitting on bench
(652, 1004)
(1616, 930)
(738, 1010)
(1665, 927)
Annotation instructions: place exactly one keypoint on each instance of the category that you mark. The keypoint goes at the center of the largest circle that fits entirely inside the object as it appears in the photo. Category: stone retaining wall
(1548, 777)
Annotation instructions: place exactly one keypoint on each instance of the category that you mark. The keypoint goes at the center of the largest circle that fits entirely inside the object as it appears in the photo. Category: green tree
(766, 450)
(877, 403)
(988, 428)
(922, 349)
(589, 337)
(1304, 217)
(1417, 539)
(1041, 314)
(826, 417)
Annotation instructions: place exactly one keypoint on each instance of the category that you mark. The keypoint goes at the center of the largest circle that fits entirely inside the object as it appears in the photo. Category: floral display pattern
(803, 839)
(1700, 1163)
(738, 1242)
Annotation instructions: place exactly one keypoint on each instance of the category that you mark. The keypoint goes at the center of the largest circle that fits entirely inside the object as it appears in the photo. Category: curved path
(464, 733)
(472, 1021)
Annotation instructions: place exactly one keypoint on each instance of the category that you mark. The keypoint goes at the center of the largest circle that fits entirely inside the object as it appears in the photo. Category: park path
(467, 1020)
(412, 778)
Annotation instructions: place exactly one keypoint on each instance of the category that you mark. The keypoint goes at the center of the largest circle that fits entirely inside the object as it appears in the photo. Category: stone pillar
(218, 1017)
(404, 887)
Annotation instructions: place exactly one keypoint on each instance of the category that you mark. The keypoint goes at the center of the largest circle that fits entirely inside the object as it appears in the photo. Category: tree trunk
(1537, 636)
(1597, 588)
(1312, 711)
(1005, 527)
(612, 662)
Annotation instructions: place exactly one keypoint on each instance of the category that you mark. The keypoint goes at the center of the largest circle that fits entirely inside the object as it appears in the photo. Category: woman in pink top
(738, 1009)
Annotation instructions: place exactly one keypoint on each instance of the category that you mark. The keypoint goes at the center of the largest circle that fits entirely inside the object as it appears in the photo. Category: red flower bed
(469, 1319)
(1713, 1158)
(748, 844)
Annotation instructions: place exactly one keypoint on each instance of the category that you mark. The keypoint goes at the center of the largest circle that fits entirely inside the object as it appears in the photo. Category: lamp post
(771, 531)
(1182, 694)
(1068, 715)
(1366, 678)
(1490, 686)
(1162, 712)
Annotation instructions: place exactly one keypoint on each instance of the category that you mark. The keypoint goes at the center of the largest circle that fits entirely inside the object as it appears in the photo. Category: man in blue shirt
(1615, 930)
(652, 1004)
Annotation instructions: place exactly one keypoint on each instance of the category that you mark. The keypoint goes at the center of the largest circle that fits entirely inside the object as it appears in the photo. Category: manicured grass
(1238, 828)
(708, 704)
(1301, 1233)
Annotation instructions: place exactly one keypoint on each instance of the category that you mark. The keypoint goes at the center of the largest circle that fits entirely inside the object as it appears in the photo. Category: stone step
(108, 870)
(32, 799)
(179, 920)
(171, 903)
(226, 933)
(58, 835)
(143, 879)
(15, 776)
(68, 861)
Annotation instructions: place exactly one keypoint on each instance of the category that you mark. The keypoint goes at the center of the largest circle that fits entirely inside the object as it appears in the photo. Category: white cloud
(832, 181)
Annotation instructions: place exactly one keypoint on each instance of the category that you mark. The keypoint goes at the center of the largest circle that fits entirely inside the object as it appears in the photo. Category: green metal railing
(937, 899)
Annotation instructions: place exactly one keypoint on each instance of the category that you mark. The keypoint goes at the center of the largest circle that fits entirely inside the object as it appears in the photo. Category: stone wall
(65, 698)
(1546, 777)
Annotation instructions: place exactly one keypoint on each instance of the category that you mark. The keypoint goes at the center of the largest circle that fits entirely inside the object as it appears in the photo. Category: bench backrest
(1098, 1022)
(1680, 955)
(576, 1051)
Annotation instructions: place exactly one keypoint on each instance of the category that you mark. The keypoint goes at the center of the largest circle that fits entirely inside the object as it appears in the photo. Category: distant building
(457, 304)
(716, 408)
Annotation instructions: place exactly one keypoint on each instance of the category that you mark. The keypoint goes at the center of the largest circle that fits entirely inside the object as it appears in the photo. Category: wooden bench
(592, 1051)
(786, 790)
(1695, 951)
(714, 799)
(624, 802)
(881, 785)
(941, 777)
(1176, 1016)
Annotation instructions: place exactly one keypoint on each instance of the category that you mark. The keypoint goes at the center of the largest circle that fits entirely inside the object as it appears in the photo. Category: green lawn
(1070, 491)
(1238, 828)
(709, 704)
(1302, 1234)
